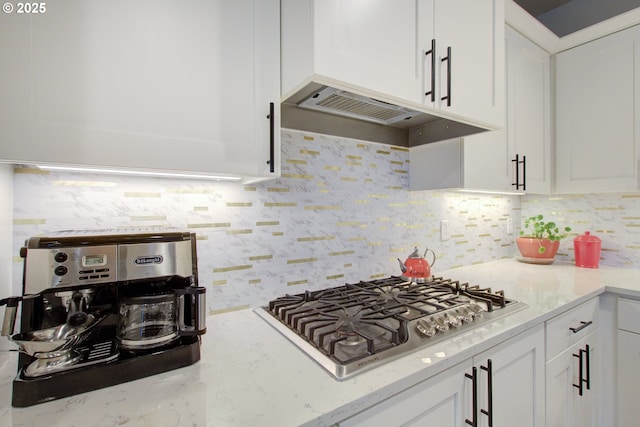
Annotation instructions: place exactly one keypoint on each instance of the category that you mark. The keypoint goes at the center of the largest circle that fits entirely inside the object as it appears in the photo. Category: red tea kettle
(416, 268)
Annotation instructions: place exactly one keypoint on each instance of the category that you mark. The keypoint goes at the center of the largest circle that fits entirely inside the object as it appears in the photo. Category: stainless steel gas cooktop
(355, 327)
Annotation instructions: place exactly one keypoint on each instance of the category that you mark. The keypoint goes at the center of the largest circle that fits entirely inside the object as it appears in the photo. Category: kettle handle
(191, 310)
(432, 253)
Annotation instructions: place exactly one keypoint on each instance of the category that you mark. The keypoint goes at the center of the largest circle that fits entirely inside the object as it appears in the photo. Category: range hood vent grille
(335, 101)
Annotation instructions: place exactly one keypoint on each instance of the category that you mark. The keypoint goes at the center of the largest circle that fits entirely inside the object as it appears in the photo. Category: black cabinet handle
(474, 384)
(588, 367)
(519, 162)
(272, 136)
(489, 411)
(580, 376)
(432, 52)
(581, 327)
(448, 59)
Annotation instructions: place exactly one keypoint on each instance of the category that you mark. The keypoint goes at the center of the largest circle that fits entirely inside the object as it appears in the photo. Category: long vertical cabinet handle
(489, 411)
(272, 136)
(519, 162)
(588, 367)
(432, 52)
(580, 375)
(448, 59)
(474, 387)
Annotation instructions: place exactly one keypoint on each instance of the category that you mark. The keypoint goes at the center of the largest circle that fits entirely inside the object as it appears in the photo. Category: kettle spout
(403, 268)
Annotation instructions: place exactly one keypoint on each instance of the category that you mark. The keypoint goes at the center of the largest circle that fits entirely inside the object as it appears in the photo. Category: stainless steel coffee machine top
(104, 307)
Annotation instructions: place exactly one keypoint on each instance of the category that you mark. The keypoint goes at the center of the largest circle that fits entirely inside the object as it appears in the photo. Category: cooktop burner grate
(358, 323)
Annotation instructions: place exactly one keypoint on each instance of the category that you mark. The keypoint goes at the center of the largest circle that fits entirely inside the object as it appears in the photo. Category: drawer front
(629, 315)
(568, 328)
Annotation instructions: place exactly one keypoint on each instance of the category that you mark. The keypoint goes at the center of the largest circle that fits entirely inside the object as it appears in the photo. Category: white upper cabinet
(597, 129)
(153, 84)
(487, 161)
(383, 48)
(528, 114)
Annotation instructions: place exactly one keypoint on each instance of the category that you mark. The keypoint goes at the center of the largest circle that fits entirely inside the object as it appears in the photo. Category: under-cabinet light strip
(143, 173)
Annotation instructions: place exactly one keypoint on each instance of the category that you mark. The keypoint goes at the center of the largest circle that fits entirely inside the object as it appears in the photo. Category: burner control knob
(60, 270)
(426, 327)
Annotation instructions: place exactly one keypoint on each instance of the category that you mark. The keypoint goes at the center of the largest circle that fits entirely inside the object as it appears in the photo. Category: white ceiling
(564, 17)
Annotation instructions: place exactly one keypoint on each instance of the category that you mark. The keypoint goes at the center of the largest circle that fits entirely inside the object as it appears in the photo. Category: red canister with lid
(587, 250)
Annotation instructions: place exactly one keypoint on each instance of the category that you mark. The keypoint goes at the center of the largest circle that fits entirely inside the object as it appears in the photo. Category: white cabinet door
(570, 402)
(474, 32)
(517, 386)
(151, 84)
(529, 112)
(597, 127)
(628, 378)
(443, 400)
(380, 48)
(371, 44)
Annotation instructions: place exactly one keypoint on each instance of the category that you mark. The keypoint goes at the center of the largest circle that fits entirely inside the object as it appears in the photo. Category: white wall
(6, 232)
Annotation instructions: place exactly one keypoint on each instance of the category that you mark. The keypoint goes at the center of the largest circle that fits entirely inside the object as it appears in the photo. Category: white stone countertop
(251, 375)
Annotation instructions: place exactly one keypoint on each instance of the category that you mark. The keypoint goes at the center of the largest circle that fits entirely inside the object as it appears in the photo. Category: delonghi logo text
(150, 259)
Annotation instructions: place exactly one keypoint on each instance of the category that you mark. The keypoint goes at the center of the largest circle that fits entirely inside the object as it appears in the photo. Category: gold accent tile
(377, 276)
(29, 221)
(348, 265)
(383, 152)
(396, 187)
(353, 163)
(297, 282)
(349, 179)
(610, 208)
(361, 201)
(219, 282)
(260, 257)
(351, 252)
(141, 194)
(353, 157)
(277, 233)
(229, 309)
(323, 208)
(239, 204)
(347, 223)
(264, 223)
(335, 276)
(461, 242)
(311, 152)
(630, 196)
(401, 171)
(378, 196)
(308, 138)
(201, 208)
(240, 231)
(356, 239)
(297, 175)
(33, 171)
(278, 189)
(396, 148)
(233, 268)
(250, 188)
(374, 243)
(315, 239)
(209, 225)
(296, 162)
(301, 260)
(202, 237)
(255, 281)
(332, 168)
(397, 162)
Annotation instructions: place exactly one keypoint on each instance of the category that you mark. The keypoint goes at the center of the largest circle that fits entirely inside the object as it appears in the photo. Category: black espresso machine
(100, 308)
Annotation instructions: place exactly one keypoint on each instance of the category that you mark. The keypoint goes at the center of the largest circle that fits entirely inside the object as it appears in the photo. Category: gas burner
(356, 326)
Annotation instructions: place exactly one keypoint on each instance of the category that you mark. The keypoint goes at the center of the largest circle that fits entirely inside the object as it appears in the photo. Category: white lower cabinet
(628, 361)
(503, 386)
(572, 397)
(572, 368)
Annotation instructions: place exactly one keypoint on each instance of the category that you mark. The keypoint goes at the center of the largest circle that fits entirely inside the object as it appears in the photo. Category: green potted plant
(539, 239)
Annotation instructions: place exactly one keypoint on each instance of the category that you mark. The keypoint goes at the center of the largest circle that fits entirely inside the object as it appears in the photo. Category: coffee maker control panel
(70, 266)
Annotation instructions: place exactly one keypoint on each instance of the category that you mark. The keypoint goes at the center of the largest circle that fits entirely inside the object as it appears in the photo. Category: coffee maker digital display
(124, 304)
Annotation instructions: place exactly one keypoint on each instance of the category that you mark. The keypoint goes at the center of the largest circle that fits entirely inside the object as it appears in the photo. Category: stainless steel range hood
(323, 109)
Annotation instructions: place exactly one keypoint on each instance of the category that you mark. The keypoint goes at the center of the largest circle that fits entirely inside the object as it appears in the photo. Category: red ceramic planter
(529, 247)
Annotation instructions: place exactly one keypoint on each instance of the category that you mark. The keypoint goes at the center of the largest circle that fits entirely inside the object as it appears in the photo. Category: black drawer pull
(581, 327)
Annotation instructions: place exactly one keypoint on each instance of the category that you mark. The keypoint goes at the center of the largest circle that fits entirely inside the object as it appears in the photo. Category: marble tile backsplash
(613, 217)
(341, 212)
